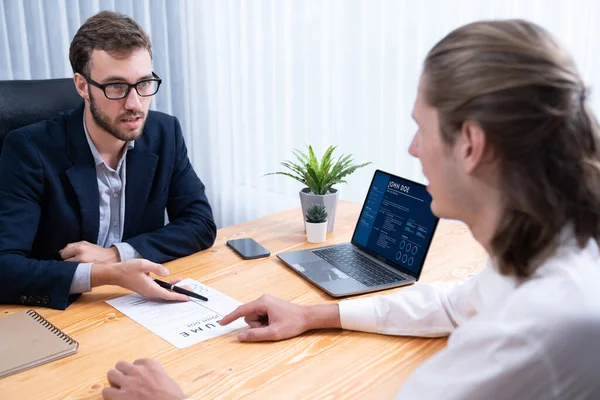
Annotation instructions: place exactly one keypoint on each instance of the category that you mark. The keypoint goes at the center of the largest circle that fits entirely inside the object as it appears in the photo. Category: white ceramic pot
(316, 233)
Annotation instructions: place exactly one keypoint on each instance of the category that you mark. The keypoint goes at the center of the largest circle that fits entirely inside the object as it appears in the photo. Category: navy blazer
(49, 198)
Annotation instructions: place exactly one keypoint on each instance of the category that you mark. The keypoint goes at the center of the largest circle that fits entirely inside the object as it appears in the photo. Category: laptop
(388, 247)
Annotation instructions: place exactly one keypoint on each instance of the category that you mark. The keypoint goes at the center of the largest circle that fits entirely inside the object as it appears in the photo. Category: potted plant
(320, 177)
(316, 223)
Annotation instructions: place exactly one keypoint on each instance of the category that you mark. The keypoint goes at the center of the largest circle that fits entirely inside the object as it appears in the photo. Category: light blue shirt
(111, 188)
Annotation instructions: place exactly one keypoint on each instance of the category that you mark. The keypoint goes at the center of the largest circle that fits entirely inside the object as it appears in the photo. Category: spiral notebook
(29, 340)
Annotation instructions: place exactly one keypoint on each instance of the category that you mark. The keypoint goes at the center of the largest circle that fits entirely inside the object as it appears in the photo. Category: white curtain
(252, 80)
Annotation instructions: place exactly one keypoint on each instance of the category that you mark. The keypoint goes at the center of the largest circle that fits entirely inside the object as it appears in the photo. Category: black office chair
(26, 102)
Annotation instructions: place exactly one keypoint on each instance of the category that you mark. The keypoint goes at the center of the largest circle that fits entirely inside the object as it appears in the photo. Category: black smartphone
(248, 248)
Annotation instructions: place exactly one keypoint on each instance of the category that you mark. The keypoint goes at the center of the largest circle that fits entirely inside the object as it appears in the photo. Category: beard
(104, 122)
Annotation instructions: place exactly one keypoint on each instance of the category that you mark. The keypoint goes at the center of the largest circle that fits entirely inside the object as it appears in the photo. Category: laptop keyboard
(357, 266)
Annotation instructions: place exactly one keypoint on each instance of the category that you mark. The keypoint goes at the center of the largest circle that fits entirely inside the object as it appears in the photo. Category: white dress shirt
(111, 191)
(537, 338)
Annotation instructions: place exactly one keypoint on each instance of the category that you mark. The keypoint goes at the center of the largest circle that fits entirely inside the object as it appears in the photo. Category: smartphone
(248, 248)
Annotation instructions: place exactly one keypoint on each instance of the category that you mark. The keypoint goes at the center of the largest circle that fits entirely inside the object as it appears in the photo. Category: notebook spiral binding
(33, 314)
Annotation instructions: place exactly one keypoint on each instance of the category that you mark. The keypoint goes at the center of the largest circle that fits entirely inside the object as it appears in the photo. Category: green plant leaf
(312, 159)
(316, 213)
(298, 169)
(303, 158)
(326, 160)
(321, 176)
(313, 180)
(287, 174)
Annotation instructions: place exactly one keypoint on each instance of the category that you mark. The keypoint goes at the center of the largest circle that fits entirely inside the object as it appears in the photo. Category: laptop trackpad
(320, 271)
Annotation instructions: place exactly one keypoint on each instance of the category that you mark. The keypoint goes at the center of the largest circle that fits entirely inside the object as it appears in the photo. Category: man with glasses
(82, 196)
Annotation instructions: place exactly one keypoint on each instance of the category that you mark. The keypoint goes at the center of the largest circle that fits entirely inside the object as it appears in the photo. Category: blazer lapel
(89, 206)
(82, 175)
(141, 166)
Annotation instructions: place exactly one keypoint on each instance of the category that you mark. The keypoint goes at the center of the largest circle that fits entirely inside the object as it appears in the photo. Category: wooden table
(329, 364)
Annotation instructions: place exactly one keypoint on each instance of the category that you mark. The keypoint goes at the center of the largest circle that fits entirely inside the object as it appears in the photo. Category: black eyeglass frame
(129, 86)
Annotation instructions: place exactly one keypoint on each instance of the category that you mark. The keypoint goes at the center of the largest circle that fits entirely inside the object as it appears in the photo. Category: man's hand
(144, 379)
(271, 318)
(134, 275)
(86, 252)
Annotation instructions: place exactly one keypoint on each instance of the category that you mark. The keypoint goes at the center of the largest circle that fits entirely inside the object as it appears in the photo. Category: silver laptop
(388, 247)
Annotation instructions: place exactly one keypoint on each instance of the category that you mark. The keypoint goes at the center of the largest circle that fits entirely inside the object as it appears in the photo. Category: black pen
(178, 289)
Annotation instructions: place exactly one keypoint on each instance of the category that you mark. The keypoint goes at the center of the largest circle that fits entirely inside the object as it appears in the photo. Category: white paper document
(182, 324)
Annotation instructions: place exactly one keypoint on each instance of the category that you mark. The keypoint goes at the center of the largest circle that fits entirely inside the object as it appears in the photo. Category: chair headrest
(26, 102)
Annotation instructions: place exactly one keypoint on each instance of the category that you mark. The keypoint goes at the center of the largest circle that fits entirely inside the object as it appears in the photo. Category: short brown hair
(109, 31)
(514, 80)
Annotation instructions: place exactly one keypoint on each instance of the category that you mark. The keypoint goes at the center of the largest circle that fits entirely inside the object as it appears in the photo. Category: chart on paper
(182, 323)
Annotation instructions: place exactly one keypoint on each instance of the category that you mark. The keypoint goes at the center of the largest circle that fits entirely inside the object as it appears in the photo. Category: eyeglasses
(117, 91)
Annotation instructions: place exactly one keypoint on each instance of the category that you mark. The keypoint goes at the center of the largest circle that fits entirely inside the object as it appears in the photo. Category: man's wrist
(101, 274)
(116, 255)
(323, 316)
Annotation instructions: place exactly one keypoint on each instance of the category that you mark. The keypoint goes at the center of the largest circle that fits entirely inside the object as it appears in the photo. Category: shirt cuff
(358, 315)
(81, 279)
(126, 251)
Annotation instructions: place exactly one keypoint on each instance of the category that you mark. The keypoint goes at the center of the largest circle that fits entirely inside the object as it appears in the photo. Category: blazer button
(45, 300)
(31, 300)
(22, 299)
(38, 299)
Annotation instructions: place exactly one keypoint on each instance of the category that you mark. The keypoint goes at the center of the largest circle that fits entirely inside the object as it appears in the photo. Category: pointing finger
(242, 311)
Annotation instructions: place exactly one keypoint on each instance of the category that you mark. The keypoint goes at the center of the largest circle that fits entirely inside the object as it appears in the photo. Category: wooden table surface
(328, 364)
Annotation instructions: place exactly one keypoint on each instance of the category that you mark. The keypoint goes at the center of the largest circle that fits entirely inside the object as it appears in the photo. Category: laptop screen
(396, 223)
